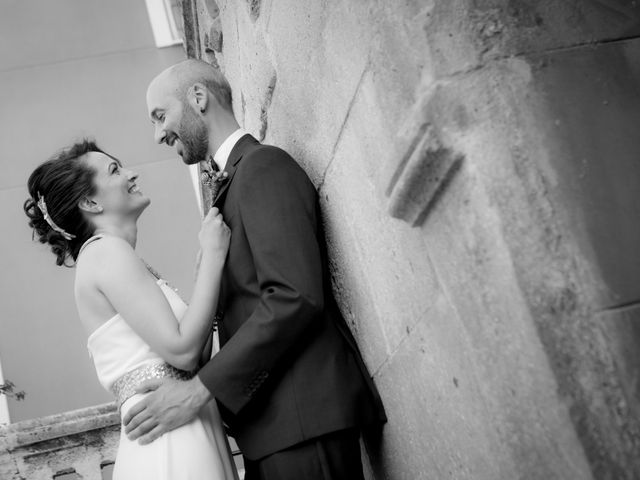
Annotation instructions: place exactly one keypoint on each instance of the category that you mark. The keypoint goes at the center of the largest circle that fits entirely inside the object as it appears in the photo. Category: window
(166, 21)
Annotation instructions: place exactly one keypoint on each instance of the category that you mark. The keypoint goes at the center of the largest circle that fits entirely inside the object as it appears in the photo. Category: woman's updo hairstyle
(59, 184)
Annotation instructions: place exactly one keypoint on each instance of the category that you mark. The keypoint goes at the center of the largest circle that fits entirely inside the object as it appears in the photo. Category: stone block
(214, 37)
(520, 393)
(439, 425)
(436, 41)
(422, 176)
(554, 284)
(211, 9)
(621, 329)
(320, 75)
(398, 288)
(254, 9)
(79, 442)
(426, 153)
(518, 26)
(361, 314)
(591, 96)
(254, 84)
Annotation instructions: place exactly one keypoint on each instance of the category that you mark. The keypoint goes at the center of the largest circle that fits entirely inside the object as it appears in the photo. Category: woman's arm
(124, 280)
(207, 350)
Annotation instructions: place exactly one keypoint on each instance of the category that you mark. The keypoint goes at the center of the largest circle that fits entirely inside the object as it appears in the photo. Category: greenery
(8, 388)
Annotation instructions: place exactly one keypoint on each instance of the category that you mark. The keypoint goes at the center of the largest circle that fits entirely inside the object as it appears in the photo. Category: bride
(85, 205)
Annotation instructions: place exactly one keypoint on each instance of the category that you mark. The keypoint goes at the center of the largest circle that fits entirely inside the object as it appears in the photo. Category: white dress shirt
(222, 154)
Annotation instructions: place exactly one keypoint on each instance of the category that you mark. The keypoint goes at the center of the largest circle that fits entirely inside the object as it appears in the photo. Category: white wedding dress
(196, 451)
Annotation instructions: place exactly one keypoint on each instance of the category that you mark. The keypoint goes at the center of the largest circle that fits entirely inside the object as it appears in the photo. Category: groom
(289, 379)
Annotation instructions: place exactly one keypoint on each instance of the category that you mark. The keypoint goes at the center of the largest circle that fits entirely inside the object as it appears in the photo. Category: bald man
(289, 379)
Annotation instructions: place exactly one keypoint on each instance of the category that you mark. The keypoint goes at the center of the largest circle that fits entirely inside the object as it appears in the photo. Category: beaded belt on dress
(125, 387)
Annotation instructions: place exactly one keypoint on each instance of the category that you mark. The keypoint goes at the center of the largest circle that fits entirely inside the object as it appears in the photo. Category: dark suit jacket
(289, 369)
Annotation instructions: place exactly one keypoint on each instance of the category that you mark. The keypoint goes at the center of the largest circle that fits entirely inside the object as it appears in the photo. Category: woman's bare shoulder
(104, 255)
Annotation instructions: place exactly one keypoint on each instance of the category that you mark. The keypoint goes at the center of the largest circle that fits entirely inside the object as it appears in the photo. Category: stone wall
(477, 165)
(76, 444)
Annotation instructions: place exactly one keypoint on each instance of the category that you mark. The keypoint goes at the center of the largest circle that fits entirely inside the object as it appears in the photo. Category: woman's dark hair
(62, 181)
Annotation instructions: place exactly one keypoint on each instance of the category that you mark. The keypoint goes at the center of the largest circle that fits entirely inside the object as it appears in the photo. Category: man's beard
(193, 136)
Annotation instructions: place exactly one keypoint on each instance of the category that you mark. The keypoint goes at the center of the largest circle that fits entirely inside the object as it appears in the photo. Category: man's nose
(160, 135)
(131, 175)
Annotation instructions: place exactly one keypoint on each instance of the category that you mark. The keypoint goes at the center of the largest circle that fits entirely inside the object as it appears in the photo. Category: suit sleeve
(279, 215)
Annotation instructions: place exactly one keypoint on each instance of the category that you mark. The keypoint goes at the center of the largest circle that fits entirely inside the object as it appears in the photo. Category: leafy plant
(8, 388)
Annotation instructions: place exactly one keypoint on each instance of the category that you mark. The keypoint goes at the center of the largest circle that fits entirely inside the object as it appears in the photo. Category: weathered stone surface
(464, 34)
(592, 168)
(448, 420)
(211, 8)
(518, 388)
(214, 37)
(82, 441)
(254, 9)
(423, 174)
(398, 279)
(621, 329)
(320, 84)
(192, 42)
(247, 63)
(479, 324)
(534, 26)
(264, 107)
(555, 279)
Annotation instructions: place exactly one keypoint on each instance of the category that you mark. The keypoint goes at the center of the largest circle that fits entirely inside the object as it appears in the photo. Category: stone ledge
(28, 432)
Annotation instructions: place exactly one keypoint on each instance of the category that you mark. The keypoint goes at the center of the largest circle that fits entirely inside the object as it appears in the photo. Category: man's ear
(90, 206)
(198, 96)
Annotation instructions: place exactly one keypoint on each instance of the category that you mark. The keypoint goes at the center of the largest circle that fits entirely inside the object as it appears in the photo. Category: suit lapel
(244, 144)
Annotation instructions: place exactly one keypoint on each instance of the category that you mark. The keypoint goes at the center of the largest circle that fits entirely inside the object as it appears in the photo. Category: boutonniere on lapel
(213, 178)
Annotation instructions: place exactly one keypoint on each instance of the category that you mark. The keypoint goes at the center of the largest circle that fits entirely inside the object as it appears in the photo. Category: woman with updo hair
(64, 180)
(85, 205)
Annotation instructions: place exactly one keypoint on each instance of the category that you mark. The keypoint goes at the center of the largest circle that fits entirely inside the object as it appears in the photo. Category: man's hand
(170, 404)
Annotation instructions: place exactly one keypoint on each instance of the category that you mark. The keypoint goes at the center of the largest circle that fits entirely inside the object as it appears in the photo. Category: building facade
(477, 166)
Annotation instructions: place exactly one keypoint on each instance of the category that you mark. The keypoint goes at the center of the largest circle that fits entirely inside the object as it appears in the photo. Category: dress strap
(90, 240)
(152, 270)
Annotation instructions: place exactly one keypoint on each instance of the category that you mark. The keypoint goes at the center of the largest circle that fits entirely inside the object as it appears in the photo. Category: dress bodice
(197, 449)
(117, 349)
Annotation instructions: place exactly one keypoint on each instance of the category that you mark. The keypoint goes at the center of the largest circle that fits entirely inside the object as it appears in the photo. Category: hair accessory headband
(43, 208)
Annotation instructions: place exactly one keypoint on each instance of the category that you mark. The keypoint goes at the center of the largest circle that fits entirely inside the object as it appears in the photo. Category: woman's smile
(134, 189)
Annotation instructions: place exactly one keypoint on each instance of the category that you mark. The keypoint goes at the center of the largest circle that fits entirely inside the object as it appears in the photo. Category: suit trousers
(335, 456)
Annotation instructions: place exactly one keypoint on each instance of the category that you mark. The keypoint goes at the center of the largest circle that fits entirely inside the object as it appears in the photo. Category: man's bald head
(179, 78)
(189, 105)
